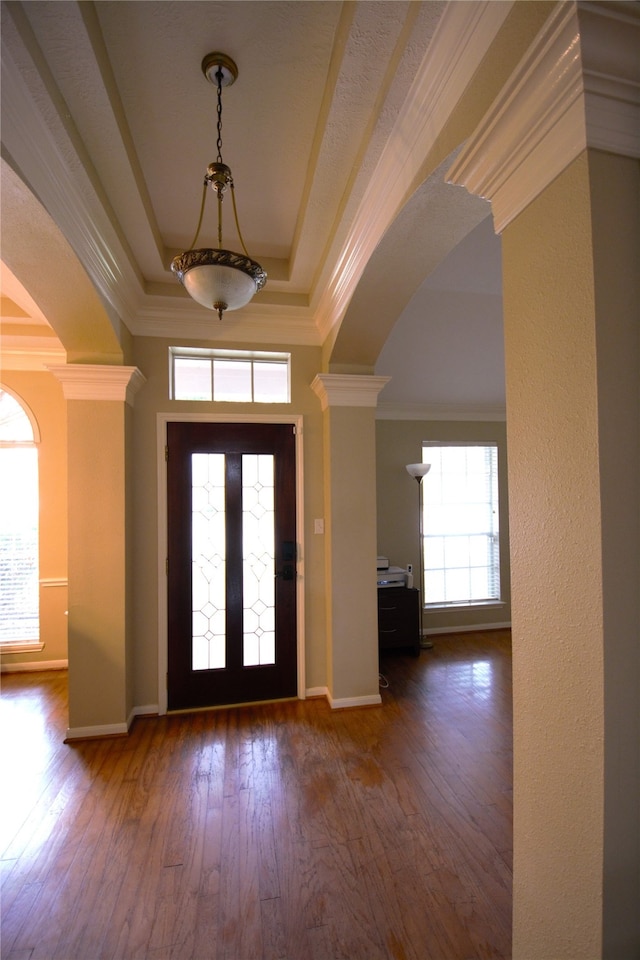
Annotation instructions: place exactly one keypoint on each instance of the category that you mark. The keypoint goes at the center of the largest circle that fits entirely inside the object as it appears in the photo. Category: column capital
(93, 381)
(578, 86)
(348, 390)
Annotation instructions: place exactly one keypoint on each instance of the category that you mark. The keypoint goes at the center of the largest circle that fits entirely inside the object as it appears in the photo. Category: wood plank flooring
(278, 832)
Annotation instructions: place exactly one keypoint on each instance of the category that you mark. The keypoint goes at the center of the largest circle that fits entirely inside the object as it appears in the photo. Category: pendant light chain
(219, 76)
(219, 279)
(219, 159)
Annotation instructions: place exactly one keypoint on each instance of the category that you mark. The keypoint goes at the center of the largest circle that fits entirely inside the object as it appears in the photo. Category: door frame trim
(162, 419)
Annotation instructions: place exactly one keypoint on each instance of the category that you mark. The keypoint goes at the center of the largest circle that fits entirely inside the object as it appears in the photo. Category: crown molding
(487, 412)
(463, 36)
(610, 35)
(30, 353)
(347, 390)
(88, 381)
(577, 86)
(256, 323)
(45, 157)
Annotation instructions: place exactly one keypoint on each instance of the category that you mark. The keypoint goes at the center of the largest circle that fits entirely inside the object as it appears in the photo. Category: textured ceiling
(108, 117)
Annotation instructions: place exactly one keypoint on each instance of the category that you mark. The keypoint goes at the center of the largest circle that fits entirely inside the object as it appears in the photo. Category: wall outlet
(409, 568)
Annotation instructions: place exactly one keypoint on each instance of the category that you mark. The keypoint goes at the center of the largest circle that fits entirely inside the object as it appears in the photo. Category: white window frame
(493, 534)
(254, 357)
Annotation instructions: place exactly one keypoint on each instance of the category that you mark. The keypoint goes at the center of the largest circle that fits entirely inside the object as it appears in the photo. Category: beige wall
(352, 628)
(41, 392)
(557, 587)
(151, 357)
(98, 565)
(399, 442)
(615, 199)
(571, 334)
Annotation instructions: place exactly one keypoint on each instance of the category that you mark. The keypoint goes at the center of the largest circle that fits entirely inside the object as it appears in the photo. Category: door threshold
(229, 706)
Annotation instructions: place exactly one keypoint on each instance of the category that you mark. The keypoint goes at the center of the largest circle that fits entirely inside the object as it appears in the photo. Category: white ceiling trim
(30, 353)
(88, 381)
(347, 390)
(467, 30)
(611, 35)
(557, 103)
(256, 323)
(50, 164)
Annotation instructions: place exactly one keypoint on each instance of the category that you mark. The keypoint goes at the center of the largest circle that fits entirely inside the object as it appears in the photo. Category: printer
(389, 576)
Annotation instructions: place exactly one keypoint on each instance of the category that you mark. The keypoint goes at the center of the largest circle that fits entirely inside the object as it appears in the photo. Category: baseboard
(472, 628)
(111, 729)
(150, 710)
(100, 730)
(33, 666)
(340, 703)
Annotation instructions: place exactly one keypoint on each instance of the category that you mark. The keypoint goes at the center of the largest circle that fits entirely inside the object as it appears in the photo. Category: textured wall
(554, 498)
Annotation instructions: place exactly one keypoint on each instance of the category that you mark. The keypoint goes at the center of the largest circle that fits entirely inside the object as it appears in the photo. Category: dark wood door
(231, 563)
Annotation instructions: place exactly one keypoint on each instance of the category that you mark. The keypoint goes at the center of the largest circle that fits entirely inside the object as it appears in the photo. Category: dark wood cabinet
(399, 618)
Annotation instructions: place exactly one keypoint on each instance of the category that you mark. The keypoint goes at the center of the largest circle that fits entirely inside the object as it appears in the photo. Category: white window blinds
(461, 549)
(19, 526)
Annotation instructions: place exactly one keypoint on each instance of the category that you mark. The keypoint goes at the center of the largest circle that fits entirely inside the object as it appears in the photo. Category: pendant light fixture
(219, 279)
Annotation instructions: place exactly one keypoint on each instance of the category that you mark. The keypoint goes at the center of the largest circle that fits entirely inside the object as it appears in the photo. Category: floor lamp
(418, 471)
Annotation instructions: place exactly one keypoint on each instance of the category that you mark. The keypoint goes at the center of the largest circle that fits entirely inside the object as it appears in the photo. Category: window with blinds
(19, 506)
(461, 544)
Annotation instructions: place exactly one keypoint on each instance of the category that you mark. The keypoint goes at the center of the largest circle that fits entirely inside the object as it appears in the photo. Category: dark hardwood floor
(278, 831)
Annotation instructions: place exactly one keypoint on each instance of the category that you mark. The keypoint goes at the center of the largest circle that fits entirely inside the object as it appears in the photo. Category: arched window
(19, 521)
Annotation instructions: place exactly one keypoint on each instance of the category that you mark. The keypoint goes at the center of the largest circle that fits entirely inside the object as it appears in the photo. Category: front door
(231, 563)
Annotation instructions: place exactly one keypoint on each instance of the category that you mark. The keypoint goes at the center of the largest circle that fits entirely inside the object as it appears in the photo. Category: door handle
(288, 560)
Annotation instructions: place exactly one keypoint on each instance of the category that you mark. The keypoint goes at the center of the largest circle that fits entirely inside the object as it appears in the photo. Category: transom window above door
(236, 376)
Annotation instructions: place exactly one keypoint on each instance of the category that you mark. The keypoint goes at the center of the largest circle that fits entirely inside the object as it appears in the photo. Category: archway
(41, 259)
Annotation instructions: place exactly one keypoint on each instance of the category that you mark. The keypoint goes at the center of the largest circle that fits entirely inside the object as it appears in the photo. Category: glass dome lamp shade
(216, 278)
(219, 279)
(418, 470)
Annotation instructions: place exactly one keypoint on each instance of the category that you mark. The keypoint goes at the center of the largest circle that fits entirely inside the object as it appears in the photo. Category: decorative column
(348, 403)
(557, 155)
(99, 400)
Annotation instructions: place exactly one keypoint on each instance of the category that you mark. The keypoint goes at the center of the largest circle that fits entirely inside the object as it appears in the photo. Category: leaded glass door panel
(231, 563)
